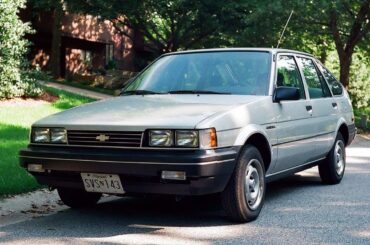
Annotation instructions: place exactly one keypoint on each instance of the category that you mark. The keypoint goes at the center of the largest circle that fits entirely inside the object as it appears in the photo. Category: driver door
(294, 118)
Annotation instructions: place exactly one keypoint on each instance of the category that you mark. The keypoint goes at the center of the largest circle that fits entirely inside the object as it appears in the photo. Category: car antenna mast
(282, 34)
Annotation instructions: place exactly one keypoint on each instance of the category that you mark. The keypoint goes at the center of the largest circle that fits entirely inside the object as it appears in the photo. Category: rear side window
(335, 87)
(288, 74)
(317, 86)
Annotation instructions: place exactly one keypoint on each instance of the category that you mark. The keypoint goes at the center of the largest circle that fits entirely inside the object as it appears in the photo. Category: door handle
(309, 107)
(335, 105)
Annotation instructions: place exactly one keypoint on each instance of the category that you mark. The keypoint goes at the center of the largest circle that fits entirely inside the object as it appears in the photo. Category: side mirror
(286, 93)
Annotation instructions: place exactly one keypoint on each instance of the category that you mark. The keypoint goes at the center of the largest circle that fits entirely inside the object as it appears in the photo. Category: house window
(108, 53)
(86, 57)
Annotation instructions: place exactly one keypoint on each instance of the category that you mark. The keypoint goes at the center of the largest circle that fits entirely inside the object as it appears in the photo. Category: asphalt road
(298, 210)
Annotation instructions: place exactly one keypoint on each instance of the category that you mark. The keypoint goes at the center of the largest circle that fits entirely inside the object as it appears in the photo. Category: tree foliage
(359, 87)
(168, 26)
(160, 26)
(345, 22)
(182, 24)
(14, 80)
(317, 26)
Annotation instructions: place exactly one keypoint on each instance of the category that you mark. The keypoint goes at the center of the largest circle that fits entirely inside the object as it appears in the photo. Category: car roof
(270, 50)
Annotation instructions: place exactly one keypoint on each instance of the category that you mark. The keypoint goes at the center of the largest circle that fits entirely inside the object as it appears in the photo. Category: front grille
(104, 138)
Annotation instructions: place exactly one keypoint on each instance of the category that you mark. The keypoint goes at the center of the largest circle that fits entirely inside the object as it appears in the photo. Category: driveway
(298, 210)
(80, 91)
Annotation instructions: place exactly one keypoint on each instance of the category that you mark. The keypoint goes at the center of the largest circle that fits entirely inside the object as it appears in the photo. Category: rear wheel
(332, 168)
(244, 195)
(76, 198)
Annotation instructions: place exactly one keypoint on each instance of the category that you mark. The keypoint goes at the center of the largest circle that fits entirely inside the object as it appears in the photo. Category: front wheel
(76, 198)
(243, 198)
(331, 169)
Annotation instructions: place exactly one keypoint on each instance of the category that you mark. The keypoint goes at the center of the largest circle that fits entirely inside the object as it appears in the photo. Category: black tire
(234, 198)
(331, 169)
(76, 198)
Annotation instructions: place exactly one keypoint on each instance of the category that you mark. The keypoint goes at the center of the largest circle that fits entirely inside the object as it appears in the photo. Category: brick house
(88, 44)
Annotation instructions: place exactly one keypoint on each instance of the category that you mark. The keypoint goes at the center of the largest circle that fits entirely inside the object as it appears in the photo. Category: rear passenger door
(338, 92)
(324, 107)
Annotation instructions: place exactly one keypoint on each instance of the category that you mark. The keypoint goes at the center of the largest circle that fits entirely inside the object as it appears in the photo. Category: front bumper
(207, 171)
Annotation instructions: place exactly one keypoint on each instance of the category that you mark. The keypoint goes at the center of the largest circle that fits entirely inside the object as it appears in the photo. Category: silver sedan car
(200, 122)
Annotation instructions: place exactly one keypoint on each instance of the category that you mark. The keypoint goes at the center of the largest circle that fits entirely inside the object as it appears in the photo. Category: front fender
(269, 134)
(248, 131)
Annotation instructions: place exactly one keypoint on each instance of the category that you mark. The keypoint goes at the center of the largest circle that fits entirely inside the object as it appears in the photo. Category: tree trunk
(323, 56)
(345, 64)
(56, 42)
(359, 29)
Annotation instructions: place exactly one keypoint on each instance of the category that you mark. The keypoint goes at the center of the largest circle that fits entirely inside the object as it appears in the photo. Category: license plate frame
(102, 183)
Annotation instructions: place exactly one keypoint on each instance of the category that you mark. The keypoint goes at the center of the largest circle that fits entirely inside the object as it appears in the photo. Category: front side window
(288, 74)
(335, 87)
(317, 87)
(230, 72)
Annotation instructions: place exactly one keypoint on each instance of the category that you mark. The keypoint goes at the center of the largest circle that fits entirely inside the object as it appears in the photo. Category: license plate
(104, 183)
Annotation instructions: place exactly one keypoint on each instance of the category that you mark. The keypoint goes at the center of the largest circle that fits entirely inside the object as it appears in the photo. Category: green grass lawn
(15, 123)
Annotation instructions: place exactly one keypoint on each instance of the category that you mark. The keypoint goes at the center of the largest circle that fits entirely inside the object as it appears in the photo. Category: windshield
(234, 72)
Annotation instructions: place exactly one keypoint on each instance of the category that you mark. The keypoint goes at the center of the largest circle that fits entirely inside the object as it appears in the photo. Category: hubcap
(339, 157)
(253, 184)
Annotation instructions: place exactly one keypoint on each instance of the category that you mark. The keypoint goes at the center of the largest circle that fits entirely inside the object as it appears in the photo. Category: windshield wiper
(195, 92)
(138, 92)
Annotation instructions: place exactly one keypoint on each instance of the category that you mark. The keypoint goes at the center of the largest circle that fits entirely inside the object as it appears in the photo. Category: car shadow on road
(129, 215)
(294, 183)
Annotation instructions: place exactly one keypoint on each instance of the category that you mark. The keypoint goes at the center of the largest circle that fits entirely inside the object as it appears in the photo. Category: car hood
(139, 112)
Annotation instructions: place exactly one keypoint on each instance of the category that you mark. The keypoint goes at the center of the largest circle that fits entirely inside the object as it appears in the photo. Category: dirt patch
(43, 202)
(48, 97)
(364, 133)
(45, 98)
(29, 205)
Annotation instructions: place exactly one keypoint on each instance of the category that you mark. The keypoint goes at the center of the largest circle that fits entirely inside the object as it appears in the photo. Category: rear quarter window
(335, 86)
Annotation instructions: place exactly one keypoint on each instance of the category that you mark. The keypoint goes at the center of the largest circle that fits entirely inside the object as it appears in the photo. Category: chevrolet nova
(200, 122)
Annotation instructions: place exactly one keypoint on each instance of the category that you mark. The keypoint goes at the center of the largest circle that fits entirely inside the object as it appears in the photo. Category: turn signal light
(208, 138)
(173, 175)
(35, 168)
(213, 137)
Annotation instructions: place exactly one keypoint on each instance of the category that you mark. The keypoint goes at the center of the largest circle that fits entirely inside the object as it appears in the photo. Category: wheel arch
(343, 129)
(253, 135)
(260, 142)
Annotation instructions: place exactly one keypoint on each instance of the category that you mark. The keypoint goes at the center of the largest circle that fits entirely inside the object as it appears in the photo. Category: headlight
(161, 138)
(41, 135)
(203, 138)
(58, 135)
(187, 138)
(49, 135)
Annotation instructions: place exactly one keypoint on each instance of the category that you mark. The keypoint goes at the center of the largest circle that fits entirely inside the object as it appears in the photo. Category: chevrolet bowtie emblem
(102, 138)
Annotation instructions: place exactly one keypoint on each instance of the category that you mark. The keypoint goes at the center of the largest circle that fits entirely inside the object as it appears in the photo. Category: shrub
(112, 65)
(14, 82)
(359, 86)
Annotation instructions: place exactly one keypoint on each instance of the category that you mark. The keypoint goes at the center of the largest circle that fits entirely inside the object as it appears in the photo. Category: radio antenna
(282, 34)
